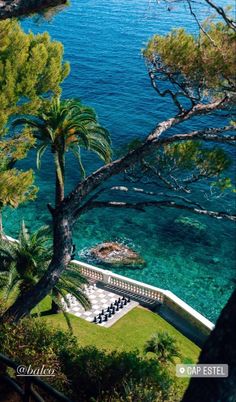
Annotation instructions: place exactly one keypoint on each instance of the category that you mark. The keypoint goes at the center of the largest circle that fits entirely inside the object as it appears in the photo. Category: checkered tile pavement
(100, 300)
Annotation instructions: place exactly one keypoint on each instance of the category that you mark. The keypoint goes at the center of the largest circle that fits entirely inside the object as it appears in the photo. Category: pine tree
(31, 70)
(31, 67)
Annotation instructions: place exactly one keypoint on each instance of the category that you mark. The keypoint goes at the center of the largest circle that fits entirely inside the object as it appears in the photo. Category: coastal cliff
(16, 8)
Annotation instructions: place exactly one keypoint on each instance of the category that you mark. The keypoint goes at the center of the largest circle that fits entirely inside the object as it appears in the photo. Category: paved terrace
(105, 304)
(165, 303)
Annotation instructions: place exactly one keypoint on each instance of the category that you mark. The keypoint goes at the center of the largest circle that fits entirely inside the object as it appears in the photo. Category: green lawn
(130, 332)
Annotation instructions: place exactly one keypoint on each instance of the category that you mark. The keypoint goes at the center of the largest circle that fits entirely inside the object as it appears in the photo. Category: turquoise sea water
(103, 41)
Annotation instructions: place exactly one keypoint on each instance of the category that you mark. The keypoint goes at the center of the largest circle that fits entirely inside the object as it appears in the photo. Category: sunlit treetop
(16, 186)
(179, 166)
(15, 148)
(31, 71)
(31, 66)
(196, 66)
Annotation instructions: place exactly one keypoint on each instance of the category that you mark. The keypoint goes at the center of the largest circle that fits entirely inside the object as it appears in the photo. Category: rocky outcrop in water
(16, 8)
(113, 253)
(190, 223)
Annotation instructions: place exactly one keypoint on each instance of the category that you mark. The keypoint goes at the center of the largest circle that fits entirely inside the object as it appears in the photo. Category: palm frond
(40, 153)
(77, 154)
(29, 122)
(56, 300)
(81, 297)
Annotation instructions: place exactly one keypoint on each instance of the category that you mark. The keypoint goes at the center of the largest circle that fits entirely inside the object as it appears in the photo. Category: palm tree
(163, 346)
(24, 261)
(67, 125)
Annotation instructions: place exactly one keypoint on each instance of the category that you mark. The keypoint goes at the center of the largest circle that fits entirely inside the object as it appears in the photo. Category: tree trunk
(60, 178)
(55, 306)
(1, 225)
(70, 206)
(62, 247)
(55, 309)
(59, 194)
(220, 347)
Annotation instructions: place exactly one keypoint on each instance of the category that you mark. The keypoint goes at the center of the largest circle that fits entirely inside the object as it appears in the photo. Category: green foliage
(164, 346)
(179, 165)
(189, 155)
(14, 149)
(128, 147)
(95, 374)
(86, 374)
(207, 60)
(140, 392)
(30, 67)
(31, 342)
(68, 125)
(65, 125)
(22, 261)
(224, 183)
(129, 333)
(25, 261)
(16, 187)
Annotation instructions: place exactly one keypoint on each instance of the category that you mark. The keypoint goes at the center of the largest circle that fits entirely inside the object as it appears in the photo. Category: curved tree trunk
(220, 347)
(69, 209)
(62, 247)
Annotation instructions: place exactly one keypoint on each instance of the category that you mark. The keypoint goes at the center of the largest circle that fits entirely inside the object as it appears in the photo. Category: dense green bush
(31, 342)
(86, 374)
(94, 373)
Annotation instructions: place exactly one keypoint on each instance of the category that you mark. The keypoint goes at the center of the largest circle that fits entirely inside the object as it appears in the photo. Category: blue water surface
(103, 41)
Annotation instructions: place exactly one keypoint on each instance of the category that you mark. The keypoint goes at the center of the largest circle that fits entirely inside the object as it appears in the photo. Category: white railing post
(106, 276)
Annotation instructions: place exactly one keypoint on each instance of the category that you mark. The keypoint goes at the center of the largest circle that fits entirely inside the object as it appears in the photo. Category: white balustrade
(122, 282)
(141, 289)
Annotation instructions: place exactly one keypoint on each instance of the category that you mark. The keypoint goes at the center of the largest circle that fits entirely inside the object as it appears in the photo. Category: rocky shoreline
(115, 254)
(17, 8)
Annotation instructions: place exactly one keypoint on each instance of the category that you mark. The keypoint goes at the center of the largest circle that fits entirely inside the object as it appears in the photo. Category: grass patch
(129, 333)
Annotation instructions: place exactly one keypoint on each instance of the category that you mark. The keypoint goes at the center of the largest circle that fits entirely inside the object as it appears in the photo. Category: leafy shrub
(31, 342)
(85, 374)
(94, 373)
(141, 392)
(164, 346)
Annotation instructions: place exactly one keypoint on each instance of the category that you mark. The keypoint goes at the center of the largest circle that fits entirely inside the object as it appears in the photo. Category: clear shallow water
(103, 42)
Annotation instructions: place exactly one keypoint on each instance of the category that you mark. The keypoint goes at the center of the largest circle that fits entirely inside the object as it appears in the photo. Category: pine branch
(70, 204)
(140, 206)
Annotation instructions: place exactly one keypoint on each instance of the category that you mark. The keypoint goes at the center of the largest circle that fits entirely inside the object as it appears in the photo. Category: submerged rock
(215, 260)
(190, 223)
(113, 253)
